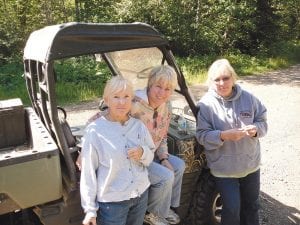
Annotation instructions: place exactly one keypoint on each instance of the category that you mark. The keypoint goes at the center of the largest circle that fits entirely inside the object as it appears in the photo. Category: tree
(192, 26)
(96, 10)
(289, 18)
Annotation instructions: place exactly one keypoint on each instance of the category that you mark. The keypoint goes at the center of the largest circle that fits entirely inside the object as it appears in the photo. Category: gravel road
(280, 169)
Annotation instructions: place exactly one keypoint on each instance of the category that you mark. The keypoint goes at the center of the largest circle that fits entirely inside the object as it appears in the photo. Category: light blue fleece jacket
(216, 114)
(107, 174)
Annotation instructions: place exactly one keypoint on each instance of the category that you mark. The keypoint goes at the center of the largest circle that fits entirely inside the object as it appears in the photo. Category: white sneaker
(172, 217)
(154, 220)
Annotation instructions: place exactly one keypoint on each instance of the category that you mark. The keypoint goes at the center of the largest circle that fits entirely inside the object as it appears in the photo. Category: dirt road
(280, 169)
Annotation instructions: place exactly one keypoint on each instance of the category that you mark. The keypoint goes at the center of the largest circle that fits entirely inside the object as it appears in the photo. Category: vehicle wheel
(22, 217)
(207, 205)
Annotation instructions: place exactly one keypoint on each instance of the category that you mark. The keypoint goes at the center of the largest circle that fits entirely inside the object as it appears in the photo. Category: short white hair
(117, 84)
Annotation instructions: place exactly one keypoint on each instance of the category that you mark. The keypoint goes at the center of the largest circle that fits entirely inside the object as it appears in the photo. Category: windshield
(135, 64)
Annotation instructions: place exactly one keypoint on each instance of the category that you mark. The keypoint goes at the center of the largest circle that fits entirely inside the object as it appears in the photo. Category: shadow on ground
(273, 210)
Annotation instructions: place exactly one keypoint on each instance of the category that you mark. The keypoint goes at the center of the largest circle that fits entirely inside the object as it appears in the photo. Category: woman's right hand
(233, 134)
(90, 221)
(78, 161)
(135, 153)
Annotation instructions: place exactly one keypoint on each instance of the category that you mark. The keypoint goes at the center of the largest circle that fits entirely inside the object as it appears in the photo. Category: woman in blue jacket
(116, 151)
(230, 123)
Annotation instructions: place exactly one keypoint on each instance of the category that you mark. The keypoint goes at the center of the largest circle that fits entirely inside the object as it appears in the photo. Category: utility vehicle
(38, 147)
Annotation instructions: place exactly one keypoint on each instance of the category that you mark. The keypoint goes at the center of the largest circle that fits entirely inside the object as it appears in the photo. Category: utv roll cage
(56, 42)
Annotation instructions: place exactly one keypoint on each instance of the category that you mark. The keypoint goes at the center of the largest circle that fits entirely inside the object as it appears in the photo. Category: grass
(12, 84)
(279, 56)
(79, 80)
(20, 92)
(82, 79)
(68, 93)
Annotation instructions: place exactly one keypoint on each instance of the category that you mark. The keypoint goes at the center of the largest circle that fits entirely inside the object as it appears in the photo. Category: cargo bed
(32, 168)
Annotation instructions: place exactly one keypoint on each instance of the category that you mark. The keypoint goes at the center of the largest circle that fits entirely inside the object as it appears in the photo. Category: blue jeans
(240, 197)
(128, 212)
(165, 188)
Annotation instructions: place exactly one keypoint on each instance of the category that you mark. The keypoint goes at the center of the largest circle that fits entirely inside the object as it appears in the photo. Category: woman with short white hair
(116, 151)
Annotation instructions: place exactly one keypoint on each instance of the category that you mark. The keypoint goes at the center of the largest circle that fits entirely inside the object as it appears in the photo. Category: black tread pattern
(201, 211)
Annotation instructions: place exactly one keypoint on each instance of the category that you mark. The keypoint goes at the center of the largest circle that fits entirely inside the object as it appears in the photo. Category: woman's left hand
(250, 130)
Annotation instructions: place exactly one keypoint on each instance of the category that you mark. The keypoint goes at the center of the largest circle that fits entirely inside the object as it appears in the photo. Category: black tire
(207, 205)
(23, 217)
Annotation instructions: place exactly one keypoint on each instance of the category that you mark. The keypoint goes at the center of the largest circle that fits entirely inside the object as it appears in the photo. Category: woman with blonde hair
(152, 106)
(116, 151)
(229, 125)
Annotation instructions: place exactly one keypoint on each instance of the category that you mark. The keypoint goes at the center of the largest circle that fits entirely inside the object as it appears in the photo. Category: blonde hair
(115, 85)
(163, 73)
(219, 67)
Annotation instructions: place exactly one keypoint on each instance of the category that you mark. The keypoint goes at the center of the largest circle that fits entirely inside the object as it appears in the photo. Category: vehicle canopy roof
(74, 39)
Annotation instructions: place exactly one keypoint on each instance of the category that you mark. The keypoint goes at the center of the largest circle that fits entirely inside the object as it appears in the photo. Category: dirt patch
(280, 170)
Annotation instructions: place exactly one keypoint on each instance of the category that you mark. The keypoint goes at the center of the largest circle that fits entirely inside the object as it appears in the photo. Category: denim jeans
(165, 188)
(128, 212)
(240, 197)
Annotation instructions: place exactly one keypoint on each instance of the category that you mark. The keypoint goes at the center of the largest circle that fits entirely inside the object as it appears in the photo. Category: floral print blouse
(156, 120)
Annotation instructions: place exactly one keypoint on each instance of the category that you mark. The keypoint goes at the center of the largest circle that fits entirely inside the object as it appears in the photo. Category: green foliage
(19, 18)
(96, 10)
(11, 74)
(288, 50)
(288, 12)
(83, 79)
(18, 92)
(210, 26)
(194, 27)
(281, 55)
(256, 35)
(68, 93)
(12, 84)
(80, 79)
(81, 69)
(195, 68)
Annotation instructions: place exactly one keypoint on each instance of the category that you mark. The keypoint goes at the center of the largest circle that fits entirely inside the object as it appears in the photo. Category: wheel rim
(217, 208)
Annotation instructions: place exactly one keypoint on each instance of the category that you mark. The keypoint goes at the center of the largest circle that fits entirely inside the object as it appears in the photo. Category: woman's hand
(89, 221)
(78, 161)
(135, 153)
(250, 130)
(238, 133)
(233, 134)
(167, 164)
